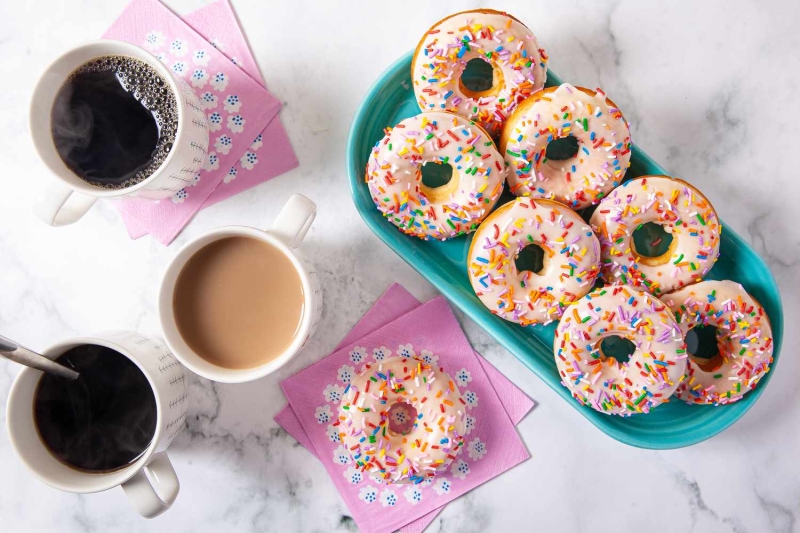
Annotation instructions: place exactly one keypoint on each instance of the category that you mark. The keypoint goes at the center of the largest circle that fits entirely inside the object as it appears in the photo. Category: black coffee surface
(102, 421)
(114, 121)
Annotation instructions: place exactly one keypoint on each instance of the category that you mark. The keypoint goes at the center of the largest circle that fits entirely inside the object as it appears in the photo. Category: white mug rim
(108, 480)
(169, 327)
(40, 144)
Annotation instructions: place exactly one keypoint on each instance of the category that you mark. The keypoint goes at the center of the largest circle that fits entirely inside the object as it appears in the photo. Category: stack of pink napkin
(431, 330)
(248, 144)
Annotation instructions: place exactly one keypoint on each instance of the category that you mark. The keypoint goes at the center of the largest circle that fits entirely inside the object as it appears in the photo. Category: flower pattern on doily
(212, 162)
(219, 81)
(469, 424)
(201, 57)
(154, 40)
(333, 433)
(249, 160)
(442, 485)
(333, 393)
(353, 475)
(368, 494)
(323, 414)
(388, 498)
(413, 494)
(214, 121)
(429, 358)
(341, 456)
(223, 144)
(180, 196)
(471, 398)
(236, 123)
(358, 354)
(208, 100)
(463, 377)
(199, 78)
(180, 68)
(460, 469)
(178, 48)
(232, 103)
(382, 353)
(217, 43)
(345, 373)
(257, 142)
(476, 449)
(406, 350)
(231, 175)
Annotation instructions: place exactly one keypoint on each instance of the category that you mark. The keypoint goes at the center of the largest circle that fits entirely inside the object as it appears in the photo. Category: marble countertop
(709, 89)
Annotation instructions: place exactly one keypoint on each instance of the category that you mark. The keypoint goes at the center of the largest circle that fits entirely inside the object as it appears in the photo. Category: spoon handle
(19, 354)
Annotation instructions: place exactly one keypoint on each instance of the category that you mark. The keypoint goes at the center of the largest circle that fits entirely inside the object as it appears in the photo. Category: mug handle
(61, 206)
(151, 497)
(294, 220)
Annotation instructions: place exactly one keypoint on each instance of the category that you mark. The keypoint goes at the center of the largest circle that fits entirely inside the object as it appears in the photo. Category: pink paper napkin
(492, 443)
(394, 303)
(238, 107)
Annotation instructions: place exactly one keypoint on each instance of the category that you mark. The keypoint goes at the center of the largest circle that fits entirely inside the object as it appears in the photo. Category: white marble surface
(710, 88)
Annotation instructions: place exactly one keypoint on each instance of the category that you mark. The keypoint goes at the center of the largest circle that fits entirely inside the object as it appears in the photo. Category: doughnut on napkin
(240, 110)
(492, 443)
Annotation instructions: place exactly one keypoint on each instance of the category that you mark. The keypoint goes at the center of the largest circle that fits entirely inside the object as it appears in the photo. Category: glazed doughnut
(394, 175)
(681, 210)
(654, 369)
(570, 262)
(519, 66)
(402, 420)
(603, 142)
(744, 341)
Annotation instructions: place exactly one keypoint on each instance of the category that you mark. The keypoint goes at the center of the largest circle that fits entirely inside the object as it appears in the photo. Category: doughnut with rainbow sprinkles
(686, 216)
(655, 367)
(602, 144)
(570, 260)
(743, 341)
(402, 420)
(517, 62)
(395, 180)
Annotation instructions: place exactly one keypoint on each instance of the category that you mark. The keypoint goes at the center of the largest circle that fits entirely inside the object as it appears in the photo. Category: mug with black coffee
(108, 427)
(111, 121)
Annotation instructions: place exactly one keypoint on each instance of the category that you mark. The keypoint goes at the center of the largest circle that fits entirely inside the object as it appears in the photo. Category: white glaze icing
(604, 146)
(676, 206)
(571, 260)
(443, 53)
(437, 435)
(653, 371)
(744, 341)
(395, 183)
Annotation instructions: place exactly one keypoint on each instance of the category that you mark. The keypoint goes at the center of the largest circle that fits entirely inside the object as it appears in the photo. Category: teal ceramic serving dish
(672, 425)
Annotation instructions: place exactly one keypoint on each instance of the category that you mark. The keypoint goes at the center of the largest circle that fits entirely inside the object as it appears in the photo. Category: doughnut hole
(652, 245)
(702, 343)
(618, 348)
(531, 258)
(402, 417)
(480, 78)
(437, 181)
(562, 148)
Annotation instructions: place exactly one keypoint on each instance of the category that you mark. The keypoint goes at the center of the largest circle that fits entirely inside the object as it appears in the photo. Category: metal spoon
(19, 354)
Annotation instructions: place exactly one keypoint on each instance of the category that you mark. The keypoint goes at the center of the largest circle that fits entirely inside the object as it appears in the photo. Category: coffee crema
(238, 302)
(102, 421)
(114, 121)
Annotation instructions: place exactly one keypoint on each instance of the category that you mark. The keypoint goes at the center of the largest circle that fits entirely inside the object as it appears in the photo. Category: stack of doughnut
(590, 277)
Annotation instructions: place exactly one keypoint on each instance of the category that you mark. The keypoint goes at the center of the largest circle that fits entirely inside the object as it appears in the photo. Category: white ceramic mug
(286, 235)
(150, 497)
(69, 197)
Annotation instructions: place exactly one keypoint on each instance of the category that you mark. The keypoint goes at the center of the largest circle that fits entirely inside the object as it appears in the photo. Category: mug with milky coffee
(237, 303)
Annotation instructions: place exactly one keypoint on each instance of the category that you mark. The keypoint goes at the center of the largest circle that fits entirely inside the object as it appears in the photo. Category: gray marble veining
(710, 88)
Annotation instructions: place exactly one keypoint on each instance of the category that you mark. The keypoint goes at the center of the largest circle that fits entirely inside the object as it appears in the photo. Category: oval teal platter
(671, 425)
